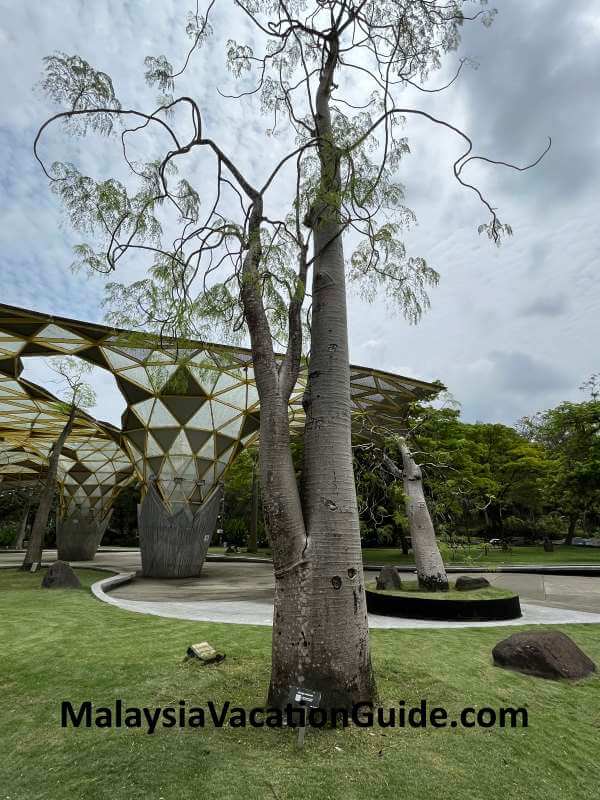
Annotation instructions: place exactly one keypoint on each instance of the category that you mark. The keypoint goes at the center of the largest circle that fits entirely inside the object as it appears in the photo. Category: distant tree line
(537, 480)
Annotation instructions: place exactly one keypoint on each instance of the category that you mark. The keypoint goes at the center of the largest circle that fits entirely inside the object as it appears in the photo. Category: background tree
(16, 503)
(570, 434)
(244, 259)
(240, 507)
(123, 522)
(76, 394)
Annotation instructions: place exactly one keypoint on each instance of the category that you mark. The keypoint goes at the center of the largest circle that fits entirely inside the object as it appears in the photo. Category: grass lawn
(410, 588)
(477, 556)
(67, 645)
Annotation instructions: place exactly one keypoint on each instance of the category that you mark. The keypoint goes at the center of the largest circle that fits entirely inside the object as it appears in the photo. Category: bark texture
(174, 545)
(320, 630)
(321, 638)
(431, 572)
(78, 536)
(38, 529)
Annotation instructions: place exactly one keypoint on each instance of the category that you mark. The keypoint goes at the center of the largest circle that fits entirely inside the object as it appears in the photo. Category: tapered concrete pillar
(174, 544)
(78, 536)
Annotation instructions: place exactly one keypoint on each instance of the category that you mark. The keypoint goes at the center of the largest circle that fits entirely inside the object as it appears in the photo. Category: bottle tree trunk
(40, 522)
(337, 636)
(320, 631)
(431, 572)
(253, 533)
(332, 653)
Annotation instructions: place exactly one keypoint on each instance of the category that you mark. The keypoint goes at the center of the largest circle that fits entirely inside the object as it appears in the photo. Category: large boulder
(389, 579)
(467, 583)
(545, 654)
(60, 575)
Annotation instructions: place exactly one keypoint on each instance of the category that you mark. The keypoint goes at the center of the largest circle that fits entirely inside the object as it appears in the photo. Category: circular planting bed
(487, 604)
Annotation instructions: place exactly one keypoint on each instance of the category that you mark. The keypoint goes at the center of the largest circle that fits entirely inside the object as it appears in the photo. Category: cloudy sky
(510, 330)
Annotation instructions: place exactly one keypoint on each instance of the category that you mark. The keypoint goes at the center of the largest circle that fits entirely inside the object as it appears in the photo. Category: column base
(174, 544)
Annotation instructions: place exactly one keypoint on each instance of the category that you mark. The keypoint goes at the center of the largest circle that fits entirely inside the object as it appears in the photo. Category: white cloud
(509, 106)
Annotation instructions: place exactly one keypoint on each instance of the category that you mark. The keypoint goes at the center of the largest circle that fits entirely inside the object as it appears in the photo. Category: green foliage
(8, 531)
(380, 264)
(570, 434)
(238, 500)
(72, 389)
(487, 478)
(348, 175)
(159, 72)
(73, 84)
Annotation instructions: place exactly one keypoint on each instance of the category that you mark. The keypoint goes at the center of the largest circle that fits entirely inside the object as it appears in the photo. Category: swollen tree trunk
(252, 536)
(430, 566)
(336, 652)
(332, 655)
(21, 533)
(78, 536)
(320, 630)
(38, 529)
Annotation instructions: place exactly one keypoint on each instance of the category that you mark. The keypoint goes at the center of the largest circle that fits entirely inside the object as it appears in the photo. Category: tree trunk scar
(284, 570)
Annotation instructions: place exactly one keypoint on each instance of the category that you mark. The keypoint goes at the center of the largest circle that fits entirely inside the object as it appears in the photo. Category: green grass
(410, 588)
(67, 645)
(477, 556)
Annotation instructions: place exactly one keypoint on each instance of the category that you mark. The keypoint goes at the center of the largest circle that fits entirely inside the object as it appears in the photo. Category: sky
(510, 331)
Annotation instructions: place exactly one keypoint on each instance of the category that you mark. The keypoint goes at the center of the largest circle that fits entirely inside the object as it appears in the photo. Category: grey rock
(545, 654)
(389, 579)
(60, 575)
(467, 583)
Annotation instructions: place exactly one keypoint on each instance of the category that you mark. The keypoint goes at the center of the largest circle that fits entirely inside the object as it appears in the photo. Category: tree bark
(320, 632)
(252, 536)
(21, 533)
(174, 545)
(431, 572)
(78, 536)
(573, 519)
(38, 529)
(327, 648)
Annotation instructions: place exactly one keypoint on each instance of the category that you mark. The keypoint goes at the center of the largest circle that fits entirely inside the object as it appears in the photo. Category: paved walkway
(243, 593)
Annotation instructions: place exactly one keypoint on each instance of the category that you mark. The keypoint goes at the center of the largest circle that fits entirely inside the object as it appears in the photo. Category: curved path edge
(245, 612)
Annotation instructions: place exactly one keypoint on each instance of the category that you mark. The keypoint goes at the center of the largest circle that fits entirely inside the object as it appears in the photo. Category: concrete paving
(230, 609)
(243, 593)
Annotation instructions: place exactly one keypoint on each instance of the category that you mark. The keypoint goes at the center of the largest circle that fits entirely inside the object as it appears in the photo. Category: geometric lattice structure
(19, 466)
(190, 408)
(92, 467)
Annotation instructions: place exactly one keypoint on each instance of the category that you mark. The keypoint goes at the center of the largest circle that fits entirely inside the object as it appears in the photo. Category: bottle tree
(330, 74)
